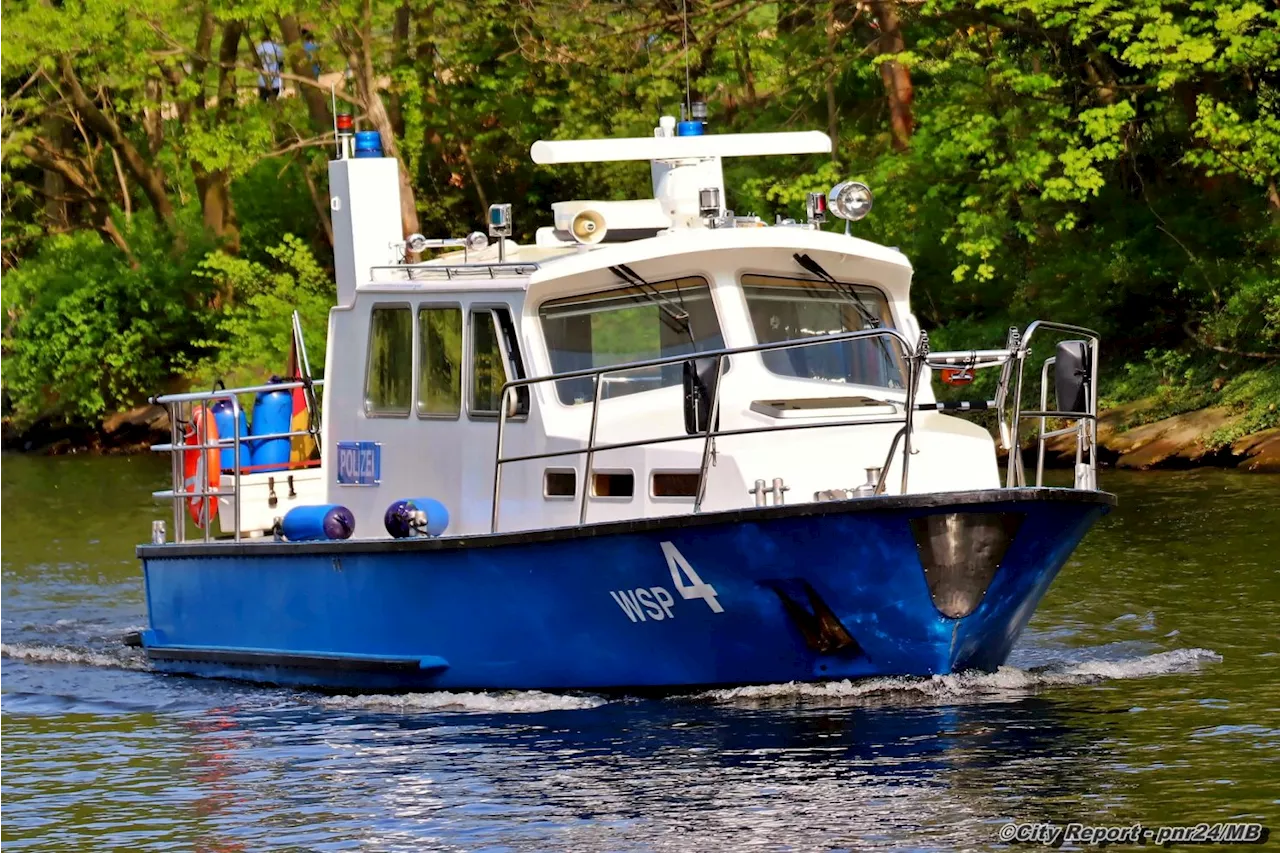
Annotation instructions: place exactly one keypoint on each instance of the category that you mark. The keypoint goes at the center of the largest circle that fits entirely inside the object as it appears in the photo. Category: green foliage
(1256, 394)
(254, 335)
(1110, 163)
(88, 332)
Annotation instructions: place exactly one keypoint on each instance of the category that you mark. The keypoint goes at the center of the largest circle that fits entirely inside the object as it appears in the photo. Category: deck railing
(182, 408)
(1010, 359)
(912, 355)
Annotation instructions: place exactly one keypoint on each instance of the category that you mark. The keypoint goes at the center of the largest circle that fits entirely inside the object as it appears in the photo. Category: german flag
(301, 447)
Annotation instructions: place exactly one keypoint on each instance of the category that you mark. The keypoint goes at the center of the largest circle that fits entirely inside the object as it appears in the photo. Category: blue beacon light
(368, 143)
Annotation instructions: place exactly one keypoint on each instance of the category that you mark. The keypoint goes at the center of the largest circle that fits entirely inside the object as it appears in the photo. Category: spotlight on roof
(850, 200)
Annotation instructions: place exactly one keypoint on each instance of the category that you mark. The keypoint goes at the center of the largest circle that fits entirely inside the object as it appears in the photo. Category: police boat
(663, 446)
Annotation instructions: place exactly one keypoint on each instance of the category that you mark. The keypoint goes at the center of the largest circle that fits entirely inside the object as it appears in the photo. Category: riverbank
(1186, 440)
(1125, 439)
(123, 433)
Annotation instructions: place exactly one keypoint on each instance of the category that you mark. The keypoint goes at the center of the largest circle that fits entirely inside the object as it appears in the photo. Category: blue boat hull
(915, 585)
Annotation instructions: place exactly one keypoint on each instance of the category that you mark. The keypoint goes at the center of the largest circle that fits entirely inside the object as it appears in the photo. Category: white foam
(70, 655)
(497, 702)
(1006, 682)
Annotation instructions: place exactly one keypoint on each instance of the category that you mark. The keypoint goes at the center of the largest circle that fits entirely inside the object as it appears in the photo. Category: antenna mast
(688, 97)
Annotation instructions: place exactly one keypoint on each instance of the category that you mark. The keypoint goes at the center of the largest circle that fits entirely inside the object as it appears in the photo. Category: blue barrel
(399, 517)
(272, 413)
(225, 420)
(368, 143)
(309, 523)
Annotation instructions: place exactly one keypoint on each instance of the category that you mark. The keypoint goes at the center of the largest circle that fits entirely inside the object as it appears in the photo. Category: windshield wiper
(677, 317)
(869, 320)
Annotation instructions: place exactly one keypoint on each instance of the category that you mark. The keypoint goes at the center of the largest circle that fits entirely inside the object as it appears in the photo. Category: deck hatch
(960, 553)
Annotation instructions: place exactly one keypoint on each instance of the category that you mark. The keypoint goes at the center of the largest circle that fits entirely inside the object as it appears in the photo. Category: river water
(1145, 690)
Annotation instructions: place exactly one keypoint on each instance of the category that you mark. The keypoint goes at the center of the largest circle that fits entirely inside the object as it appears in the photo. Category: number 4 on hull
(696, 587)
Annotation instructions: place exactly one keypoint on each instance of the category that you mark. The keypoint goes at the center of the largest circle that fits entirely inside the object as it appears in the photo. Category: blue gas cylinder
(326, 521)
(272, 413)
(225, 419)
(399, 517)
(368, 143)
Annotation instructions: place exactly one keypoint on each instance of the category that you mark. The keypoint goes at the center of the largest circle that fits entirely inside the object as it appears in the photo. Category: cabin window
(495, 359)
(388, 386)
(560, 483)
(440, 364)
(613, 484)
(627, 324)
(787, 309)
(675, 484)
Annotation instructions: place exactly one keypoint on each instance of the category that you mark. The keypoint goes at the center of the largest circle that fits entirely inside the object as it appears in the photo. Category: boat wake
(122, 658)
(497, 702)
(1006, 683)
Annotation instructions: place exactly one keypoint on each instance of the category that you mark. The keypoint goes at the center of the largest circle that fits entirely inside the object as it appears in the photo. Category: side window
(388, 384)
(440, 364)
(495, 359)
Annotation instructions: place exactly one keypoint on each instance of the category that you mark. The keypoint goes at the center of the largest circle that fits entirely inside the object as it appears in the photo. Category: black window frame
(500, 315)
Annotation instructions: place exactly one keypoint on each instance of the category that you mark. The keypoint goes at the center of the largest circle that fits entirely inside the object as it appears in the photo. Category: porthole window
(675, 484)
(560, 483)
(388, 387)
(613, 484)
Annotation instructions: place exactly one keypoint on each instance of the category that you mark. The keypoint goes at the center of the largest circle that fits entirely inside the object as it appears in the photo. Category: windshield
(787, 309)
(628, 324)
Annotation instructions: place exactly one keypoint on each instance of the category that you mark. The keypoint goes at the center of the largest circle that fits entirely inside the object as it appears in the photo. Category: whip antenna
(333, 100)
(684, 37)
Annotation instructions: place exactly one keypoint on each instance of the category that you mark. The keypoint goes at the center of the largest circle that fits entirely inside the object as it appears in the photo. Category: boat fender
(326, 521)
(224, 416)
(401, 523)
(272, 411)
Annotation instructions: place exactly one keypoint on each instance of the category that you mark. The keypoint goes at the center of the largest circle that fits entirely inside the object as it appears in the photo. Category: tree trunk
(896, 77)
(54, 184)
(152, 120)
(320, 202)
(72, 176)
(359, 49)
(833, 112)
(150, 178)
(300, 64)
(214, 191)
(213, 188)
(399, 59)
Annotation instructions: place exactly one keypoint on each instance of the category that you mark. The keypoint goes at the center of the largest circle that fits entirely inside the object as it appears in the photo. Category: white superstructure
(418, 354)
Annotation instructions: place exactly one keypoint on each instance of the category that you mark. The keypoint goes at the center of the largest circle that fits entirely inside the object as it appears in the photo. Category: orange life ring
(198, 464)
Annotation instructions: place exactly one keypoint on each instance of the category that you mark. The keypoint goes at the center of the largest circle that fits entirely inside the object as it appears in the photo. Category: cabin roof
(845, 257)
(696, 240)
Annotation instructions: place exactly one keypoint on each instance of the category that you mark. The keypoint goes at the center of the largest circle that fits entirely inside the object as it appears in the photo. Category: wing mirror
(699, 379)
(1071, 376)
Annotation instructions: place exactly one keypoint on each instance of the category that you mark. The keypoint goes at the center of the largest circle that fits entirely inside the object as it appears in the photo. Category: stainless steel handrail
(1010, 358)
(437, 271)
(197, 396)
(177, 404)
(911, 353)
(1086, 421)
